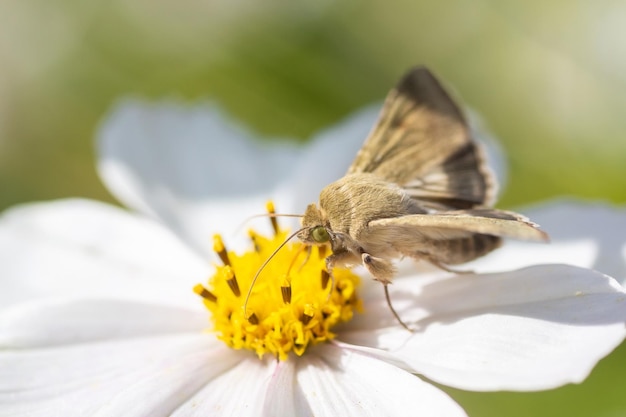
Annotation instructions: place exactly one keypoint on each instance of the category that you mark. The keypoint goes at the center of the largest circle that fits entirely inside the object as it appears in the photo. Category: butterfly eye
(320, 234)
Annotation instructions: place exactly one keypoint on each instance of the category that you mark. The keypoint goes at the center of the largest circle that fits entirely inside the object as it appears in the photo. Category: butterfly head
(315, 230)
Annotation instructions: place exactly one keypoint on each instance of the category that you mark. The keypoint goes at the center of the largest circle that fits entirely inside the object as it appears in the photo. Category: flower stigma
(291, 305)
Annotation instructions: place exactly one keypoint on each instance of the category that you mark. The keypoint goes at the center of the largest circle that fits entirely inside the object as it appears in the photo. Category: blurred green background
(548, 78)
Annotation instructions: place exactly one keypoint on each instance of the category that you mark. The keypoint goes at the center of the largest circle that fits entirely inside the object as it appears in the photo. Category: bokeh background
(547, 78)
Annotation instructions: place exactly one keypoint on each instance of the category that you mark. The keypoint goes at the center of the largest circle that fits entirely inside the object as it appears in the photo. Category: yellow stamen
(285, 289)
(253, 237)
(307, 314)
(229, 276)
(285, 313)
(269, 206)
(325, 277)
(220, 249)
(253, 319)
(204, 293)
(322, 250)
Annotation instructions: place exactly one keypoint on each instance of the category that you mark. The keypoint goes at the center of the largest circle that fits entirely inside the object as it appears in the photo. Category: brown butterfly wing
(451, 237)
(458, 224)
(422, 143)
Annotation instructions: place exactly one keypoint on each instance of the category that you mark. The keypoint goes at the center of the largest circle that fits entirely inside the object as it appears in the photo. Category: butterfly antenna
(258, 272)
(270, 215)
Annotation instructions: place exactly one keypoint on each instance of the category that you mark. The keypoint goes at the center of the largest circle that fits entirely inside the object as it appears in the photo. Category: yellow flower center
(290, 306)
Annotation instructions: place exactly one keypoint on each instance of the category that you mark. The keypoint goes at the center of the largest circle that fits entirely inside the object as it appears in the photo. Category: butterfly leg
(340, 257)
(393, 310)
(447, 268)
(381, 269)
(306, 259)
(330, 264)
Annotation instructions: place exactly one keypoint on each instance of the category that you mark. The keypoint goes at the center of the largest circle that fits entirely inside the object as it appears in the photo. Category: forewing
(458, 224)
(422, 143)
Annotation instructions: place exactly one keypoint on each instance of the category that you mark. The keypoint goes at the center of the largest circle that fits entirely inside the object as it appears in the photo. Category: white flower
(98, 316)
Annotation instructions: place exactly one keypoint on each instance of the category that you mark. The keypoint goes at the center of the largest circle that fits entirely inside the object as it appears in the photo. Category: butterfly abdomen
(461, 250)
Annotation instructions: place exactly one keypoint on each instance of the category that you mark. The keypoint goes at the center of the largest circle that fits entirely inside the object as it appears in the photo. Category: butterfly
(418, 188)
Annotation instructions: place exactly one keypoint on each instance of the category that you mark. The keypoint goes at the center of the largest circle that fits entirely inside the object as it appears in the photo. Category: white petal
(184, 165)
(84, 248)
(530, 329)
(579, 221)
(171, 386)
(47, 323)
(131, 377)
(582, 233)
(376, 326)
(238, 392)
(341, 382)
(281, 392)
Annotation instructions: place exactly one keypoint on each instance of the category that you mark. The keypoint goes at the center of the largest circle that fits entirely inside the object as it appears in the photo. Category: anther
(285, 289)
(218, 247)
(253, 238)
(322, 250)
(307, 314)
(325, 278)
(204, 293)
(231, 280)
(269, 206)
(253, 319)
